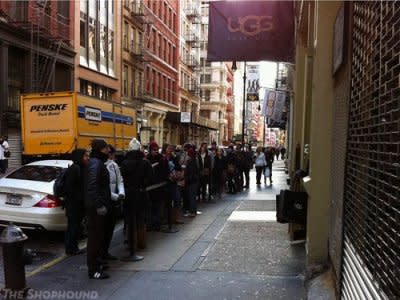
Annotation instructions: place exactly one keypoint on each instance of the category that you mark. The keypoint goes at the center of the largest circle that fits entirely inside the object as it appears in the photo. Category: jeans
(95, 241)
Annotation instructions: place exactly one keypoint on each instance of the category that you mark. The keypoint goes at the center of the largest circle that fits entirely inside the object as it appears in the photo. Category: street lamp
(234, 68)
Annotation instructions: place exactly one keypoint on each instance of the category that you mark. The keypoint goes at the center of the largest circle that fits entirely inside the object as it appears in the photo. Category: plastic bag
(267, 172)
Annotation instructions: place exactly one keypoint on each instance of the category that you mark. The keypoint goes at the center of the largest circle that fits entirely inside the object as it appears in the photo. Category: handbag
(7, 153)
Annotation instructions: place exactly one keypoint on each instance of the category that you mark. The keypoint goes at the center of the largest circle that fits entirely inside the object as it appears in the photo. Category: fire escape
(48, 32)
(139, 51)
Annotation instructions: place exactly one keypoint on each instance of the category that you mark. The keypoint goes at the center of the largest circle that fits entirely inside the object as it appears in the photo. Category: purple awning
(251, 31)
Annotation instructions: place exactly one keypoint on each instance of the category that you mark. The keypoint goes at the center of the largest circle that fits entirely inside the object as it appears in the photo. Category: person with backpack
(74, 199)
(98, 205)
(137, 173)
(117, 195)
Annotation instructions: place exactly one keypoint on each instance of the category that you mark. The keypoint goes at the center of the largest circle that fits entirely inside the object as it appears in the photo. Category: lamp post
(234, 68)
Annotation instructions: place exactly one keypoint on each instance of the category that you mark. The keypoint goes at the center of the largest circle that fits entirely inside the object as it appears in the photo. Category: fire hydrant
(12, 239)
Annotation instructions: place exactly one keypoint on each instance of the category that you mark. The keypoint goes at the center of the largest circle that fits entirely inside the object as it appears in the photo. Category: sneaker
(186, 214)
(199, 213)
(98, 275)
(192, 215)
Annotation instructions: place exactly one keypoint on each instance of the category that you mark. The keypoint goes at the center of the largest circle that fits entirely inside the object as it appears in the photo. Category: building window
(126, 34)
(96, 32)
(207, 95)
(125, 81)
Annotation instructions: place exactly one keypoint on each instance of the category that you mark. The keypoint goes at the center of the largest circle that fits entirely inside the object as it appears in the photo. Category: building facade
(161, 78)
(97, 43)
(346, 124)
(216, 78)
(36, 55)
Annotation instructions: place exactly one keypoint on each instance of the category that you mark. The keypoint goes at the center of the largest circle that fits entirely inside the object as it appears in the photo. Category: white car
(26, 196)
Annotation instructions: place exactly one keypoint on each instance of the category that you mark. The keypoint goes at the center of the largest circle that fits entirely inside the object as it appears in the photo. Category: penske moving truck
(54, 124)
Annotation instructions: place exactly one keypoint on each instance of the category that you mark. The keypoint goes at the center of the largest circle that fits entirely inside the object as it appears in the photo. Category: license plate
(15, 200)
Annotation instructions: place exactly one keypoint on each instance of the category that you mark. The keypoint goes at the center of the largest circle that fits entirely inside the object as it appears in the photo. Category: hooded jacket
(116, 180)
(98, 192)
(75, 188)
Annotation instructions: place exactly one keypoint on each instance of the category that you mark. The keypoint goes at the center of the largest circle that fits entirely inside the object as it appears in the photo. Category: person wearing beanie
(157, 190)
(134, 145)
(74, 199)
(98, 204)
(137, 173)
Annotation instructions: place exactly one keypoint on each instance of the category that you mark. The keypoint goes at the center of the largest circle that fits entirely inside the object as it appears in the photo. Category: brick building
(36, 47)
(161, 72)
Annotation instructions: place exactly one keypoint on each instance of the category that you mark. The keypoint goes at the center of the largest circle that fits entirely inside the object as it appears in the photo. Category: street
(234, 250)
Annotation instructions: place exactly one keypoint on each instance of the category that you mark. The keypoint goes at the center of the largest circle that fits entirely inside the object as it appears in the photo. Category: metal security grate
(371, 265)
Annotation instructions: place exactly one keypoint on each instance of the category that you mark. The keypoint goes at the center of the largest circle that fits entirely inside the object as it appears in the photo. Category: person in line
(260, 164)
(269, 158)
(240, 167)
(183, 161)
(74, 199)
(117, 195)
(175, 175)
(204, 164)
(4, 154)
(98, 205)
(191, 182)
(218, 174)
(137, 173)
(247, 164)
(157, 189)
(231, 162)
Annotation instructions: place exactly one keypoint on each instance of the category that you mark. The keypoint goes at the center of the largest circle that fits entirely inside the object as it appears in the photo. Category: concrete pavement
(234, 250)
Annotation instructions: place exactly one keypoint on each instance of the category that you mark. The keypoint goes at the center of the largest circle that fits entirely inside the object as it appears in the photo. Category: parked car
(26, 196)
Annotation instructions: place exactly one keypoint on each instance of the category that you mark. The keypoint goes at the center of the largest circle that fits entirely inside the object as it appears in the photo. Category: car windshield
(36, 173)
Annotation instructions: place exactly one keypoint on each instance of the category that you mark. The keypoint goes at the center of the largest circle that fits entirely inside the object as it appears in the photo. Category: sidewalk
(234, 250)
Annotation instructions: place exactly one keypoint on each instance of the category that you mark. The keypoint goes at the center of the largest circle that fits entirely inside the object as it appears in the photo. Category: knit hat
(134, 145)
(153, 146)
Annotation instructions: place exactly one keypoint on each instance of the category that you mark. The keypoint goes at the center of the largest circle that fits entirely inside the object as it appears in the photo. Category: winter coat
(160, 168)
(219, 169)
(191, 173)
(137, 173)
(269, 158)
(204, 168)
(260, 160)
(98, 192)
(116, 180)
(75, 187)
(248, 160)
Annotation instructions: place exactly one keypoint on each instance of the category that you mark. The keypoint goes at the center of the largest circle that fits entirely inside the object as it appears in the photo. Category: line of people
(147, 190)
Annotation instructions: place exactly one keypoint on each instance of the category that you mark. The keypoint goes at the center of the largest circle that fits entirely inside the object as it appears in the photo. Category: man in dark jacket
(98, 204)
(204, 164)
(157, 192)
(191, 182)
(247, 164)
(74, 199)
(232, 170)
(137, 173)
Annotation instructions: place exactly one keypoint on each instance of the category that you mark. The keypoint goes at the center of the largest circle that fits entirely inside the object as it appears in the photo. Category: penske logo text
(48, 107)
